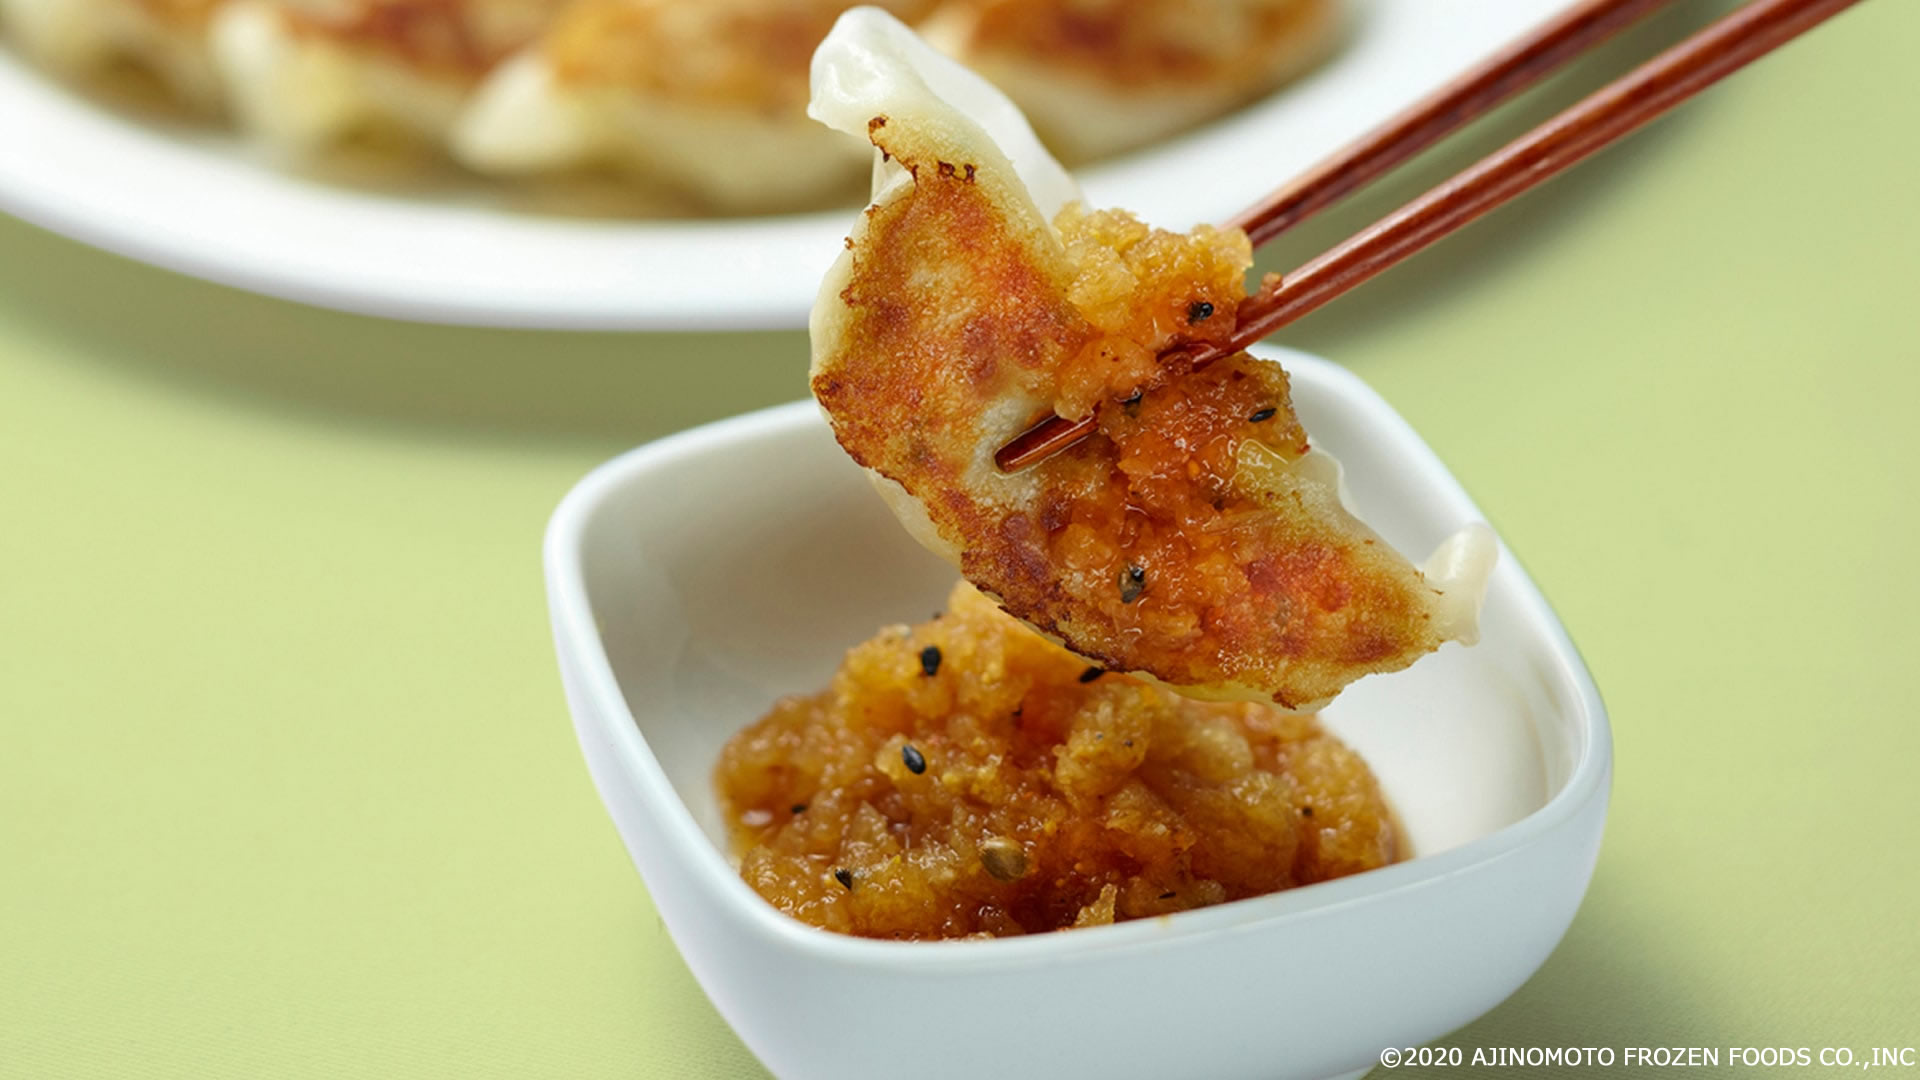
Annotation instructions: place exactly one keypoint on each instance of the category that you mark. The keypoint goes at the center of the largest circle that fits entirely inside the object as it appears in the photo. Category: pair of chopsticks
(1723, 47)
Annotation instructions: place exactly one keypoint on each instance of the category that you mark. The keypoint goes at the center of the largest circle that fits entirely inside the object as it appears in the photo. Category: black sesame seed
(799, 808)
(1262, 415)
(1133, 581)
(1199, 311)
(1166, 896)
(916, 761)
(1128, 743)
(930, 659)
(1131, 406)
(844, 877)
(1092, 673)
(1306, 811)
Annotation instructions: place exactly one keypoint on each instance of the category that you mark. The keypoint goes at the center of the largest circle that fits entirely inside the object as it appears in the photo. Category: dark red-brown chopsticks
(1728, 44)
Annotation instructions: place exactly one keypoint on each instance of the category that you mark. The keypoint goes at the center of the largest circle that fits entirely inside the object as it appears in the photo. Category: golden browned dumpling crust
(459, 38)
(181, 13)
(1191, 537)
(1128, 43)
(750, 53)
(967, 777)
(1097, 77)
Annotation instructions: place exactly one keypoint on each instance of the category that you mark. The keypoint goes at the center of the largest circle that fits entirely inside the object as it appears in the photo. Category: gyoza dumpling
(707, 96)
(305, 73)
(76, 37)
(1194, 537)
(1099, 76)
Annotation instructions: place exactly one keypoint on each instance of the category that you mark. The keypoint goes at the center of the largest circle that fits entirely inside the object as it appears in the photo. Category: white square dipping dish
(694, 580)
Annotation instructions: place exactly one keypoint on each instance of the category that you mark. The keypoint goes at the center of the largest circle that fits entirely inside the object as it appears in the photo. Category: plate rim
(272, 231)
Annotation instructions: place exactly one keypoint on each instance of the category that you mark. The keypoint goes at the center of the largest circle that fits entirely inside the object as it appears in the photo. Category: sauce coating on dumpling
(1192, 536)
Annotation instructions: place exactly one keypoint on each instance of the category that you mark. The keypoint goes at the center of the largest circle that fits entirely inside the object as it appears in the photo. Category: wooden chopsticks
(1723, 47)
(1467, 97)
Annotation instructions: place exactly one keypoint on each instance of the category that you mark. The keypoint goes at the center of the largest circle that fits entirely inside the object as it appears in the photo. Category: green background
(287, 786)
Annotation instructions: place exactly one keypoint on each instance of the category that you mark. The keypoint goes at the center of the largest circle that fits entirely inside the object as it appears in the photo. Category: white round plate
(201, 203)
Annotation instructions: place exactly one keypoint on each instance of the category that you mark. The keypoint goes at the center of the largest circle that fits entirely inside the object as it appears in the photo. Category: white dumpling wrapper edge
(872, 65)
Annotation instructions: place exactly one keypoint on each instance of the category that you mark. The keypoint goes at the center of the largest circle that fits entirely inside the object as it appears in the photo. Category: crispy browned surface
(185, 13)
(1128, 43)
(460, 38)
(735, 52)
(1044, 802)
(1175, 541)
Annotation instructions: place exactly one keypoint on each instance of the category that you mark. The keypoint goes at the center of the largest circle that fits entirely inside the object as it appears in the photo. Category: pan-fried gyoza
(653, 85)
(1102, 77)
(77, 37)
(707, 98)
(303, 76)
(703, 99)
(1195, 537)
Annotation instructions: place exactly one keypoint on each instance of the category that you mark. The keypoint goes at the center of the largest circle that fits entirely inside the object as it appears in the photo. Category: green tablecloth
(287, 787)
